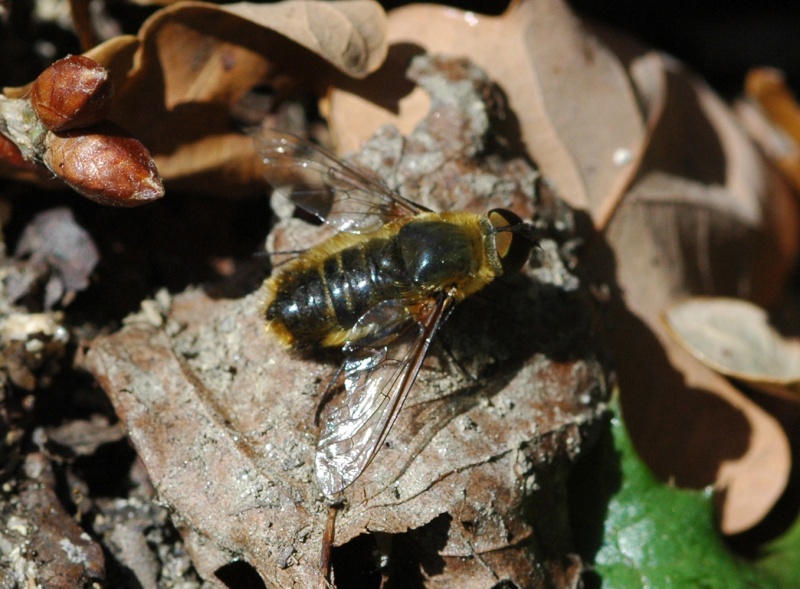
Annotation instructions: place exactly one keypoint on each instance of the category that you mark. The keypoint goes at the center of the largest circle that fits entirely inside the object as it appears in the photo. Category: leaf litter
(224, 418)
(732, 201)
(681, 201)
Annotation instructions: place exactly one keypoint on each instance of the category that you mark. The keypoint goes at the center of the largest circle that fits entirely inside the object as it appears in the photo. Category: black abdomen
(315, 300)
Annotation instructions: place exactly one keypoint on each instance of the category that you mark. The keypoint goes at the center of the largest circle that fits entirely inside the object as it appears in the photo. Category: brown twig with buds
(61, 124)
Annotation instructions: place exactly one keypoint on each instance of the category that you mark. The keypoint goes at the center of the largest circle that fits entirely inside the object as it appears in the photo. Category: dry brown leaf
(223, 419)
(61, 554)
(543, 60)
(197, 60)
(772, 117)
(694, 427)
(200, 464)
(681, 199)
(192, 61)
(734, 337)
(117, 56)
(701, 215)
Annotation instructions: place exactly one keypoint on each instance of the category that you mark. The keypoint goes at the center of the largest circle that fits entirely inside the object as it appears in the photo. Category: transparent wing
(342, 195)
(381, 363)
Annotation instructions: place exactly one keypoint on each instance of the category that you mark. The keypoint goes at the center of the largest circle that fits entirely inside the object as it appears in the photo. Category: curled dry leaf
(681, 201)
(701, 216)
(772, 117)
(155, 2)
(116, 55)
(734, 338)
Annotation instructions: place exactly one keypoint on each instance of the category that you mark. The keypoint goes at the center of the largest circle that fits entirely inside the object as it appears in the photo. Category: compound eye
(512, 248)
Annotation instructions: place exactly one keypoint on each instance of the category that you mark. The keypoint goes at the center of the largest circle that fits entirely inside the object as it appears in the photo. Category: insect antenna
(290, 255)
(285, 252)
(524, 230)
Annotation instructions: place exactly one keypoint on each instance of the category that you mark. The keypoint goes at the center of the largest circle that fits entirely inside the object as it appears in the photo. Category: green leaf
(781, 557)
(654, 535)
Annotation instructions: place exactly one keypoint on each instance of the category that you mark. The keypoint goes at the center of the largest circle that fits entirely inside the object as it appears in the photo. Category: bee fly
(379, 289)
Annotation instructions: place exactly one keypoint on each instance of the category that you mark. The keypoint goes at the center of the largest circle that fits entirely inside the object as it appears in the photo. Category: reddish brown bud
(73, 93)
(11, 157)
(105, 165)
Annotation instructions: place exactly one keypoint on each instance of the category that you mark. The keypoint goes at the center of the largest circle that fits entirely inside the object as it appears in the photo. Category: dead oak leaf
(223, 419)
(733, 337)
(197, 60)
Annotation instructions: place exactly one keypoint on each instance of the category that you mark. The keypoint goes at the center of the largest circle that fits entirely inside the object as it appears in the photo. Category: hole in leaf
(240, 575)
